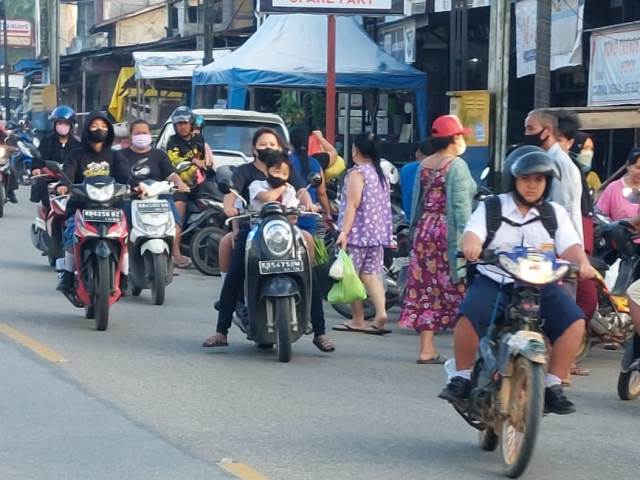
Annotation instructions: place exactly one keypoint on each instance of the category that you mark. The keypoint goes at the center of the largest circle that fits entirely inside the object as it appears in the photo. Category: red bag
(314, 145)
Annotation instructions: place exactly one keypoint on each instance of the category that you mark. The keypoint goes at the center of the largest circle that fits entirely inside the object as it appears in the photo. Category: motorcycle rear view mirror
(632, 195)
(183, 166)
(53, 166)
(314, 179)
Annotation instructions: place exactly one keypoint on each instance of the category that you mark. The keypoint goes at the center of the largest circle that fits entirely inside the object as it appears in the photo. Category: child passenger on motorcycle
(564, 325)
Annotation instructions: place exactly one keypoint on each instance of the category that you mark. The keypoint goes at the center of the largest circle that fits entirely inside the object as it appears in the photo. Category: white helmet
(390, 172)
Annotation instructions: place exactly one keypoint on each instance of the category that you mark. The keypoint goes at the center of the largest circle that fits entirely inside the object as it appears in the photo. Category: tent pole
(330, 119)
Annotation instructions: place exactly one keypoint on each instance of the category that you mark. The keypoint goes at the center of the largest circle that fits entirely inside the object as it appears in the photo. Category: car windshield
(234, 135)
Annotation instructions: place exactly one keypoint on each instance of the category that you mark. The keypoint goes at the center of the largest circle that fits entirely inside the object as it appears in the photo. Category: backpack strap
(548, 218)
(493, 218)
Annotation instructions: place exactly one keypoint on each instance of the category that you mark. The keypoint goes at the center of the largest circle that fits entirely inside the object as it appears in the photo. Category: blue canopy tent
(290, 51)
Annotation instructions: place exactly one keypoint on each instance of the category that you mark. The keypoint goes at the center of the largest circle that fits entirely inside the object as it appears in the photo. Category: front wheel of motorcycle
(520, 428)
(159, 278)
(282, 315)
(102, 289)
(629, 385)
(204, 250)
(3, 196)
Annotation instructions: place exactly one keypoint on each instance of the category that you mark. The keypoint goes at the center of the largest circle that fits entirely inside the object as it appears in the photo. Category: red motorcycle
(100, 245)
(48, 227)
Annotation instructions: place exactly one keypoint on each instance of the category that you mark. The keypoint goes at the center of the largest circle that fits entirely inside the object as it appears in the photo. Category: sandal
(437, 360)
(182, 263)
(374, 330)
(216, 340)
(324, 343)
(580, 371)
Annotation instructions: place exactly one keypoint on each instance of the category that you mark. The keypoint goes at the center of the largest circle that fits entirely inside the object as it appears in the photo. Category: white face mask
(462, 145)
(585, 158)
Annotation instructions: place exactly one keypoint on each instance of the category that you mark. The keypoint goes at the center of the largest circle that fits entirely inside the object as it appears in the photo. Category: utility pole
(209, 13)
(542, 88)
(54, 46)
(499, 52)
(5, 46)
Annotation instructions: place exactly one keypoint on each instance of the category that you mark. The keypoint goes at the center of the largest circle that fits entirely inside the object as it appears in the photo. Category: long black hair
(299, 137)
(367, 146)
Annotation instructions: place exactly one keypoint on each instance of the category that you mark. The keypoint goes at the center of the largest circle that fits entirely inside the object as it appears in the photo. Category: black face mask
(534, 139)
(263, 154)
(98, 136)
(275, 182)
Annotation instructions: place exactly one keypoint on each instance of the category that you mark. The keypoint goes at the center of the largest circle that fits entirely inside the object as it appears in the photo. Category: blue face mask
(585, 159)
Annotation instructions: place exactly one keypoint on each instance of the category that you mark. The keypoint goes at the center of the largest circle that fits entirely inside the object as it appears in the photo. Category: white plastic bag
(612, 274)
(337, 269)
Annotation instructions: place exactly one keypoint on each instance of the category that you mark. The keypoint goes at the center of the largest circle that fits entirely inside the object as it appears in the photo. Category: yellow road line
(33, 345)
(240, 470)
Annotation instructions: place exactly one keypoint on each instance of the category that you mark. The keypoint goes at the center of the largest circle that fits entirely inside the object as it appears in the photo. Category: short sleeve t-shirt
(613, 203)
(306, 223)
(244, 175)
(152, 165)
(289, 198)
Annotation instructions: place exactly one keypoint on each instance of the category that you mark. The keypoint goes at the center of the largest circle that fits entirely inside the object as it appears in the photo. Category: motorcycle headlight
(23, 148)
(100, 194)
(278, 237)
(533, 269)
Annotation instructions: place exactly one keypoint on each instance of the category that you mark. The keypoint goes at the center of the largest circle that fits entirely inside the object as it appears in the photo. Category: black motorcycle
(278, 277)
(507, 393)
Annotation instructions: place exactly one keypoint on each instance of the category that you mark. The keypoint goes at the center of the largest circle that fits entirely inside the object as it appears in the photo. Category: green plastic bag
(350, 288)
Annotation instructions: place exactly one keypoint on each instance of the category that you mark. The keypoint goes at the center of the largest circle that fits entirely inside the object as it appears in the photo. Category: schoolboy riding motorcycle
(525, 219)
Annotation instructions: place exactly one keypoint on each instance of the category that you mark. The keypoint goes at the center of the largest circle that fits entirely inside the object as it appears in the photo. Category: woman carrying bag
(441, 204)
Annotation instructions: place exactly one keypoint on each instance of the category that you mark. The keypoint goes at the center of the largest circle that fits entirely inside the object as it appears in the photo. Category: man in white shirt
(532, 173)
(540, 129)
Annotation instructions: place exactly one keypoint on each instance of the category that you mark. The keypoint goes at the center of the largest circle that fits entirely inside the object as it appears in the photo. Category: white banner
(445, 5)
(614, 72)
(334, 4)
(409, 31)
(566, 34)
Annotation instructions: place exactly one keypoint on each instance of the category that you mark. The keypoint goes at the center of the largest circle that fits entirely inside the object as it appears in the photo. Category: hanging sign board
(334, 7)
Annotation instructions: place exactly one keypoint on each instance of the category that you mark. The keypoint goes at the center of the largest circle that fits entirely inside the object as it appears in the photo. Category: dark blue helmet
(63, 112)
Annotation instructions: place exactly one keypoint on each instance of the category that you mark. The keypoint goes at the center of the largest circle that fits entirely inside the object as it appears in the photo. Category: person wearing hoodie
(92, 158)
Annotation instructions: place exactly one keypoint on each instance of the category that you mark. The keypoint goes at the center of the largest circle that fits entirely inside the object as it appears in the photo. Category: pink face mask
(63, 129)
(142, 140)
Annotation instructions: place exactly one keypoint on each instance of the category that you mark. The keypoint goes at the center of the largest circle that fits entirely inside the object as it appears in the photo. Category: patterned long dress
(431, 299)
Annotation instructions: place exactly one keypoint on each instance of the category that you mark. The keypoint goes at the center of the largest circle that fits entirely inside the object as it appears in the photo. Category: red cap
(448, 126)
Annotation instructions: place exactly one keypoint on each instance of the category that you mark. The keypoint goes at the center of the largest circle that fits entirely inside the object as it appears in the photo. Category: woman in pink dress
(442, 202)
(612, 202)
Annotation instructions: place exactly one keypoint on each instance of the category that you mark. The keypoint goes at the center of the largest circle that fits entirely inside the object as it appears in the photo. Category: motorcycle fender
(279, 286)
(103, 249)
(530, 345)
(155, 245)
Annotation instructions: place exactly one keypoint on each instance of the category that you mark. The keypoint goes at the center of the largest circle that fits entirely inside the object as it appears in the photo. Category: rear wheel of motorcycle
(282, 317)
(102, 289)
(629, 385)
(487, 439)
(585, 347)
(2, 199)
(344, 309)
(159, 279)
(520, 428)
(204, 249)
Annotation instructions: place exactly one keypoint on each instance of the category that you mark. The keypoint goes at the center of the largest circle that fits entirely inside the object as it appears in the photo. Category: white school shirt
(289, 198)
(567, 191)
(532, 235)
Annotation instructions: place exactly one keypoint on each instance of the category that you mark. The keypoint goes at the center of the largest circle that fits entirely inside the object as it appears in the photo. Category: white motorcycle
(151, 241)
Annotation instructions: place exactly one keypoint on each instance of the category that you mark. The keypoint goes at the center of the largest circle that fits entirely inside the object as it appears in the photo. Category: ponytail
(367, 145)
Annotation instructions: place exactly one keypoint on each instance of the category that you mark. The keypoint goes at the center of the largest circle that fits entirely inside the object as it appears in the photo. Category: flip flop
(215, 341)
(344, 327)
(580, 371)
(186, 263)
(373, 330)
(324, 345)
(437, 360)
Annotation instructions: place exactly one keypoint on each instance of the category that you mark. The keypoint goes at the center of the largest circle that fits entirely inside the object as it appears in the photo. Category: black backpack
(494, 218)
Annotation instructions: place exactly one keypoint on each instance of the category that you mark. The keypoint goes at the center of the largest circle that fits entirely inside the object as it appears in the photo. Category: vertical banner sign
(566, 34)
(409, 33)
(614, 72)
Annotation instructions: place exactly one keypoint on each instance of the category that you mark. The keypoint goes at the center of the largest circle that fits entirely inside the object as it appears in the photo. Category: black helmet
(63, 112)
(182, 114)
(530, 160)
(514, 154)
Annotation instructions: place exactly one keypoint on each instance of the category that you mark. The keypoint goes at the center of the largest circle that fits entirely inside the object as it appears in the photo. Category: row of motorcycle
(16, 158)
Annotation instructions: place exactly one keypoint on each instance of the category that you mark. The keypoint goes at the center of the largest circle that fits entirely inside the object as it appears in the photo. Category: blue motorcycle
(26, 150)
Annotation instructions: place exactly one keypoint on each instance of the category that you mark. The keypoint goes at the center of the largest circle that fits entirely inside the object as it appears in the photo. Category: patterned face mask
(97, 169)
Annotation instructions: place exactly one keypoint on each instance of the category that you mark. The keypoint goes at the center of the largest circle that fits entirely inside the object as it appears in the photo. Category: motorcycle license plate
(153, 207)
(268, 267)
(104, 216)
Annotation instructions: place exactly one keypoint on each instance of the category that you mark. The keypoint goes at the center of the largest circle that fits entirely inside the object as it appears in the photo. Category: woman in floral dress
(442, 202)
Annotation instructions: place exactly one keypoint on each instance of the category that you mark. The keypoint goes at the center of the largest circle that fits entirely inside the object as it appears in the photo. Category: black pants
(40, 191)
(12, 180)
(234, 283)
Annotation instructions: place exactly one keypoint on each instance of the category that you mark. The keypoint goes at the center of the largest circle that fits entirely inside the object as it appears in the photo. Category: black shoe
(457, 389)
(124, 285)
(216, 305)
(11, 196)
(65, 284)
(556, 402)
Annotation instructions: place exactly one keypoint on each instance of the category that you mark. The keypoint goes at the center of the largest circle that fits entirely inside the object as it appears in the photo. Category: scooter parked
(151, 241)
(278, 276)
(100, 247)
